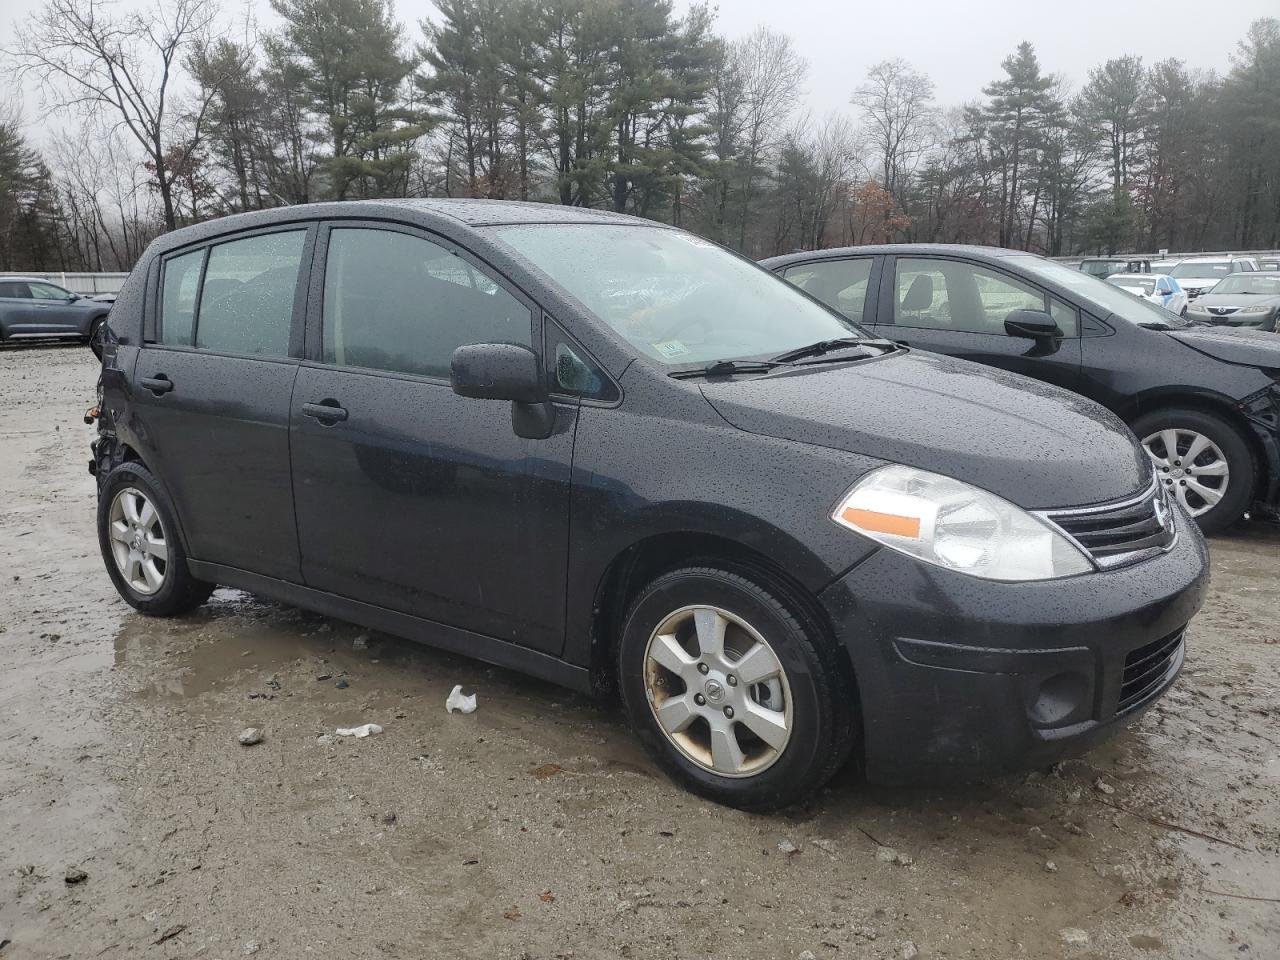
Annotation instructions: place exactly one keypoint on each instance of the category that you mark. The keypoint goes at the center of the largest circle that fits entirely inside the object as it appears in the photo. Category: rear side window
(178, 299)
(401, 303)
(840, 284)
(15, 289)
(246, 303)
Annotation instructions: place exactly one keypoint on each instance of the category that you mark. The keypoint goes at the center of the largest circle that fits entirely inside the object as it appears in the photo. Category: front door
(409, 496)
(959, 308)
(56, 310)
(212, 392)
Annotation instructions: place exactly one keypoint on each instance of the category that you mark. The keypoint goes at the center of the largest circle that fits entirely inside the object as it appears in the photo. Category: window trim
(313, 336)
(888, 294)
(153, 321)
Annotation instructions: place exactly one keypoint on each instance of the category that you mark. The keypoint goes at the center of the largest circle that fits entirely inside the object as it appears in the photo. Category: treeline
(618, 104)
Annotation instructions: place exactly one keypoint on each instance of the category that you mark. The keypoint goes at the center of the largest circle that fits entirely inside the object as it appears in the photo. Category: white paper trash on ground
(361, 731)
(457, 701)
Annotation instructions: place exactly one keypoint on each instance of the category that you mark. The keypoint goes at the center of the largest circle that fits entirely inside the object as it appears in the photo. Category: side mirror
(498, 371)
(1031, 325)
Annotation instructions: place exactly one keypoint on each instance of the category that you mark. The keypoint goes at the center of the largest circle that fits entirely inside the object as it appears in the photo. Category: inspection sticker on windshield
(671, 348)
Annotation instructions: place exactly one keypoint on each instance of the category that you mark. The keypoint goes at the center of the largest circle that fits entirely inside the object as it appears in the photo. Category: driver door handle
(327, 411)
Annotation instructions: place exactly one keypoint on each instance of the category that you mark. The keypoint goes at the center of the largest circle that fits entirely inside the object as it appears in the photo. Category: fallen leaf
(546, 770)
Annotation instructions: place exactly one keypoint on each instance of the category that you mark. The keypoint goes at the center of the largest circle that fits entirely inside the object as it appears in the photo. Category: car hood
(1236, 300)
(1255, 348)
(1029, 442)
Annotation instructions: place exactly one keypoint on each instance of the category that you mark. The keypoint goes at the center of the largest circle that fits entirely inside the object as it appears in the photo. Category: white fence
(89, 284)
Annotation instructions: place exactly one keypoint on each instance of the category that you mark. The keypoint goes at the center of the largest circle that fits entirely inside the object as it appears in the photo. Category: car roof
(972, 251)
(30, 280)
(451, 217)
(1218, 259)
(1139, 276)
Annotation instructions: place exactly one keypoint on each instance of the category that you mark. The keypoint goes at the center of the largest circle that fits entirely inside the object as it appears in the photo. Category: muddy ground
(535, 827)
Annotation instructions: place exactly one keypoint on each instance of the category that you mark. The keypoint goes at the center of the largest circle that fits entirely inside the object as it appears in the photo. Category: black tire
(823, 719)
(178, 592)
(1243, 471)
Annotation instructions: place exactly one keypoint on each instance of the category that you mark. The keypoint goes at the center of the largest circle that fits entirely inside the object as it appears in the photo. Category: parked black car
(1205, 402)
(33, 309)
(616, 456)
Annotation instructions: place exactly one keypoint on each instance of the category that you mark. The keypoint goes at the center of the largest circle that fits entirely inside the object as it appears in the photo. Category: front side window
(840, 284)
(674, 297)
(397, 302)
(965, 297)
(246, 303)
(47, 291)
(178, 298)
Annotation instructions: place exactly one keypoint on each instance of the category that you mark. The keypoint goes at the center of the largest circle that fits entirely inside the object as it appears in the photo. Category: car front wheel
(1202, 461)
(731, 690)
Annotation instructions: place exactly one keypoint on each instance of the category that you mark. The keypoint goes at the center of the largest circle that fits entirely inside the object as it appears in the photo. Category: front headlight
(954, 525)
(1197, 308)
(1253, 310)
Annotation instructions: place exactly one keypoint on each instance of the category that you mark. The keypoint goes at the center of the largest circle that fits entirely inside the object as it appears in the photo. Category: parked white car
(1158, 288)
(1200, 274)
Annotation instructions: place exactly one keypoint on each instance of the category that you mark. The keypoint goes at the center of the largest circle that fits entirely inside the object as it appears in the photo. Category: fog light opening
(1060, 698)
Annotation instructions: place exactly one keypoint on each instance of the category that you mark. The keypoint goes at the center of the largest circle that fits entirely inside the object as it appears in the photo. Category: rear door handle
(327, 411)
(158, 384)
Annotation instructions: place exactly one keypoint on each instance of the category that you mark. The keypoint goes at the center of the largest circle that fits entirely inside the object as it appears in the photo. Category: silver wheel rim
(138, 543)
(718, 691)
(1191, 466)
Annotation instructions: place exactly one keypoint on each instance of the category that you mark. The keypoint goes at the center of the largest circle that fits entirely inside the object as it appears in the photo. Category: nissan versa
(613, 455)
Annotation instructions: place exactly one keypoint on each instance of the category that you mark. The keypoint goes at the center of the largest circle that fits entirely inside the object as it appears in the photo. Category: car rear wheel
(141, 547)
(1202, 461)
(734, 694)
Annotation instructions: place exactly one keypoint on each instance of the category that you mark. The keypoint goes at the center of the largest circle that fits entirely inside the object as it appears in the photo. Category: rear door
(16, 307)
(212, 386)
(959, 308)
(409, 496)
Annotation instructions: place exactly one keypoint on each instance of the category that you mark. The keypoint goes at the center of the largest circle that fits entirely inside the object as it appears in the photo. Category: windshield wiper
(729, 368)
(821, 347)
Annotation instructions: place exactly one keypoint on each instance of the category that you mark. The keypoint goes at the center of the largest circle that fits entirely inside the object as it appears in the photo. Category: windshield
(1103, 268)
(1109, 300)
(1217, 268)
(1250, 284)
(675, 297)
(1145, 285)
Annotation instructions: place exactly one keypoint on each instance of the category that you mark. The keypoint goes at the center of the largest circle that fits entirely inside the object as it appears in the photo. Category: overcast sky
(958, 44)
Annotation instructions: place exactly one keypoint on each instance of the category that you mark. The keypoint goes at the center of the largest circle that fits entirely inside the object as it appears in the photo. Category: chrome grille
(1148, 669)
(1121, 533)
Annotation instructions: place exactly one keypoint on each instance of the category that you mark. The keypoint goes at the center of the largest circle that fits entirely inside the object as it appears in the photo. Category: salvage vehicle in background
(1103, 267)
(33, 309)
(616, 456)
(1241, 300)
(1205, 403)
(1157, 288)
(1199, 275)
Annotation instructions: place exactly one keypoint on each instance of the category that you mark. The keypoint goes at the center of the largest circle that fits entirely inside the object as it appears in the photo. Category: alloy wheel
(718, 691)
(1191, 466)
(138, 543)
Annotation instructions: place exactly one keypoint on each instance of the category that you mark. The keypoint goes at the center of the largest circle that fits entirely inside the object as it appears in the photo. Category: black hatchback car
(1204, 402)
(613, 455)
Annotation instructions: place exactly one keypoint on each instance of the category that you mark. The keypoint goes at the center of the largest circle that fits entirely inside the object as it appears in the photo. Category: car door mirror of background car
(505, 371)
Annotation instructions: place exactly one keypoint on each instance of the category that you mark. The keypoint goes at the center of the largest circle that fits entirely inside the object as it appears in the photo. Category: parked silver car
(34, 309)
(1241, 300)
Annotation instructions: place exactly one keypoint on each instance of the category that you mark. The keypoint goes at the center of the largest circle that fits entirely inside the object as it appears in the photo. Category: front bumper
(960, 677)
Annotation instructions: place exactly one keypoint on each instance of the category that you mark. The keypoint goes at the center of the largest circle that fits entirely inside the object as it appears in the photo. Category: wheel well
(1215, 408)
(642, 562)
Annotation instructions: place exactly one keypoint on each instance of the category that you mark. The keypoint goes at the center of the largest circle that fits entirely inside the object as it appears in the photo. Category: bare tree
(771, 74)
(898, 112)
(86, 56)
